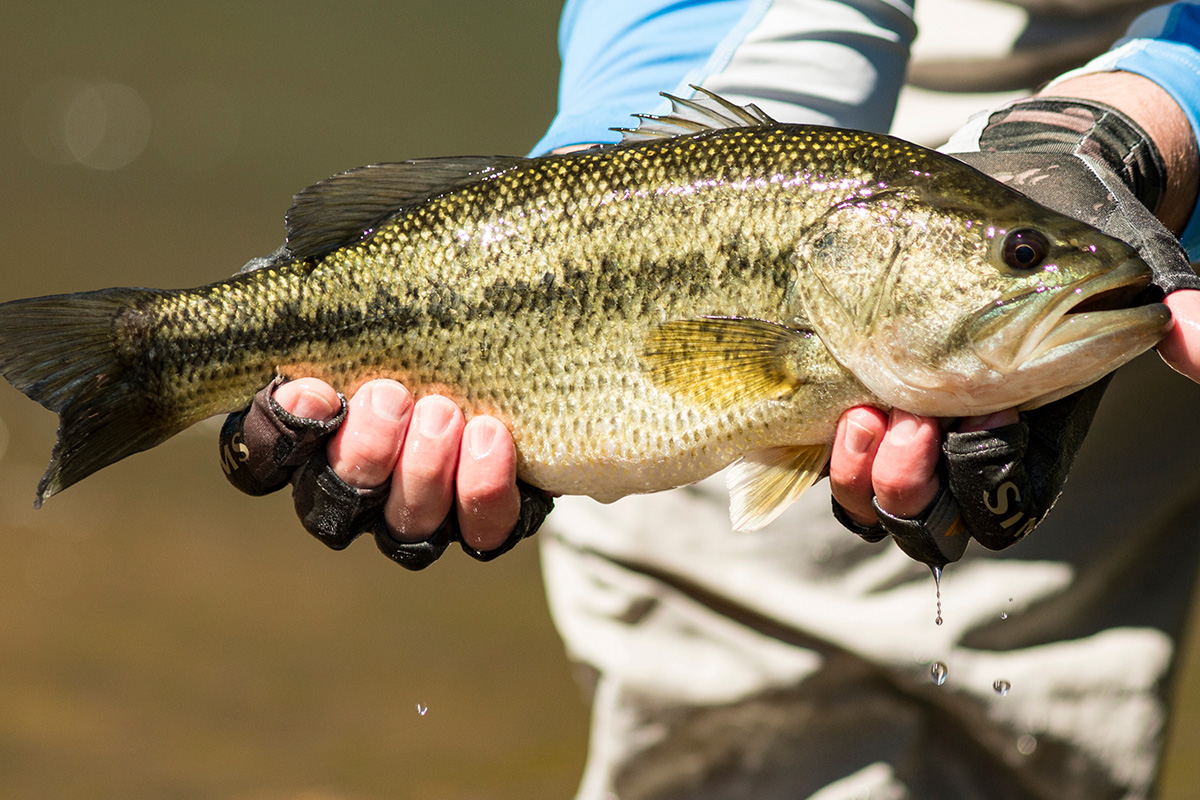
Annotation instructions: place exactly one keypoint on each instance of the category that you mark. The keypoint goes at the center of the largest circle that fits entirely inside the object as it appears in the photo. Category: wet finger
(859, 433)
(487, 498)
(1181, 347)
(309, 398)
(904, 473)
(423, 483)
(999, 419)
(364, 450)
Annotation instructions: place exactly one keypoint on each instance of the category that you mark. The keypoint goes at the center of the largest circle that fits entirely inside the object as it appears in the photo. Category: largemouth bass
(717, 288)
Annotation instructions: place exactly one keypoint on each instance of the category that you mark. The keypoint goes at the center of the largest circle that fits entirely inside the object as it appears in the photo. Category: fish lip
(1084, 308)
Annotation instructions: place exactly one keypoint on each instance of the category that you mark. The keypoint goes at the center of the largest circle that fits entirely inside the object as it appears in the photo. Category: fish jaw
(1047, 351)
(1022, 350)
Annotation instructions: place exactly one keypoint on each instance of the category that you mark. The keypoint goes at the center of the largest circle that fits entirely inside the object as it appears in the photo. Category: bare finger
(488, 501)
(309, 398)
(859, 433)
(904, 474)
(1008, 416)
(1181, 347)
(364, 450)
(423, 483)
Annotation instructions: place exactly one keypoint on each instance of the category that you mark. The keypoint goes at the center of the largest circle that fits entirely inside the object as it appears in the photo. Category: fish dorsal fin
(763, 483)
(347, 207)
(708, 112)
(723, 362)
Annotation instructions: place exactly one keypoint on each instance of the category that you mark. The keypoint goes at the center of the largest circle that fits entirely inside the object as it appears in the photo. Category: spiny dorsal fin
(343, 209)
(726, 361)
(709, 112)
(763, 483)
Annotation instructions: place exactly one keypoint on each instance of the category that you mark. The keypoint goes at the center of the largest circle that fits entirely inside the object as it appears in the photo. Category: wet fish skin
(639, 316)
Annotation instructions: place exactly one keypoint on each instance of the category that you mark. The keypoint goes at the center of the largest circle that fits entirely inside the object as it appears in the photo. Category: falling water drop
(422, 709)
(1003, 615)
(1001, 687)
(938, 672)
(937, 582)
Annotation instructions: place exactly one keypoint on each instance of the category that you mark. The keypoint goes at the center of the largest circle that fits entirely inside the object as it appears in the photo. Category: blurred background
(161, 635)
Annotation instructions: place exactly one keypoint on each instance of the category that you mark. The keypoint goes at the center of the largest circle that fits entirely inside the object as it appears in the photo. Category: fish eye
(1025, 249)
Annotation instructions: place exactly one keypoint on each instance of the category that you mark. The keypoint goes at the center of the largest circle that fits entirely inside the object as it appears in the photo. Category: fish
(715, 289)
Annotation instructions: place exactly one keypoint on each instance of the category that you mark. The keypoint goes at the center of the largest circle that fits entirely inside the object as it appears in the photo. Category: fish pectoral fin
(763, 483)
(726, 361)
(342, 209)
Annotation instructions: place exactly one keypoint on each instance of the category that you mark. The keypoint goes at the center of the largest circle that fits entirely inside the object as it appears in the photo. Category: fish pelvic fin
(765, 482)
(724, 362)
(67, 353)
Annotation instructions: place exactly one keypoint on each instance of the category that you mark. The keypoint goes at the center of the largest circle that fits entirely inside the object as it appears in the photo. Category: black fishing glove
(1093, 163)
(264, 448)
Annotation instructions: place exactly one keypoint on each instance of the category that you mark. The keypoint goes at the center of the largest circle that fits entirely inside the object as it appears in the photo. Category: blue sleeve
(618, 55)
(829, 62)
(1164, 46)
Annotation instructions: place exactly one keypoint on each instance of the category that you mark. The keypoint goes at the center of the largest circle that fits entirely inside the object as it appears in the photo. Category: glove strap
(1082, 128)
(935, 537)
(869, 533)
(1073, 126)
(263, 446)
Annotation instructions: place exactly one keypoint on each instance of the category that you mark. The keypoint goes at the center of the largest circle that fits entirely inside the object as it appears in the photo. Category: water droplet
(937, 582)
(422, 709)
(1003, 615)
(938, 672)
(1001, 687)
(1026, 744)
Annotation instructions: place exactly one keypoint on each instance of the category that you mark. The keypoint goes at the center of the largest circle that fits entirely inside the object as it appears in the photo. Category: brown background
(162, 636)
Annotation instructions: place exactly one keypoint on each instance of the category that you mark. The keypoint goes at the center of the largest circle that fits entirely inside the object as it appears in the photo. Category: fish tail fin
(73, 354)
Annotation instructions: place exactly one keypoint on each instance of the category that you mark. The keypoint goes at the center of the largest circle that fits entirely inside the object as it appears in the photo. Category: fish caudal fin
(67, 353)
(767, 481)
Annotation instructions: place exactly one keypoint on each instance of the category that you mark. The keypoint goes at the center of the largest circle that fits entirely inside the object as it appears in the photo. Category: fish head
(960, 297)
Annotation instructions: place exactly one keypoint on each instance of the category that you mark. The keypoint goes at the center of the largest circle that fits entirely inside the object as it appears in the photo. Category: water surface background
(162, 636)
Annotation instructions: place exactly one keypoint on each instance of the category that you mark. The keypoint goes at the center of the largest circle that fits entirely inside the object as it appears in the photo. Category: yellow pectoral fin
(767, 481)
(726, 361)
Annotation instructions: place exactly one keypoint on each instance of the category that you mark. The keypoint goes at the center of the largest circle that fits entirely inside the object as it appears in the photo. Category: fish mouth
(1111, 307)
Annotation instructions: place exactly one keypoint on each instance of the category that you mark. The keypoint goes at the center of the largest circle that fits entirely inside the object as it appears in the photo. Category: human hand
(887, 473)
(416, 474)
(1181, 348)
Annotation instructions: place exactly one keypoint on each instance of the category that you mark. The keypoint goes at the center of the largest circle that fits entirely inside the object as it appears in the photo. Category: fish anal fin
(723, 362)
(765, 482)
(343, 209)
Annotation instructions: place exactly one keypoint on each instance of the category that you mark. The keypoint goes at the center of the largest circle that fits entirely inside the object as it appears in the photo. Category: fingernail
(903, 427)
(312, 405)
(434, 415)
(859, 438)
(389, 401)
(480, 438)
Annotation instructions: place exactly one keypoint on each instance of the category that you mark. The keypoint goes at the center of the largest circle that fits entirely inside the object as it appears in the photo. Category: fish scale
(638, 315)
